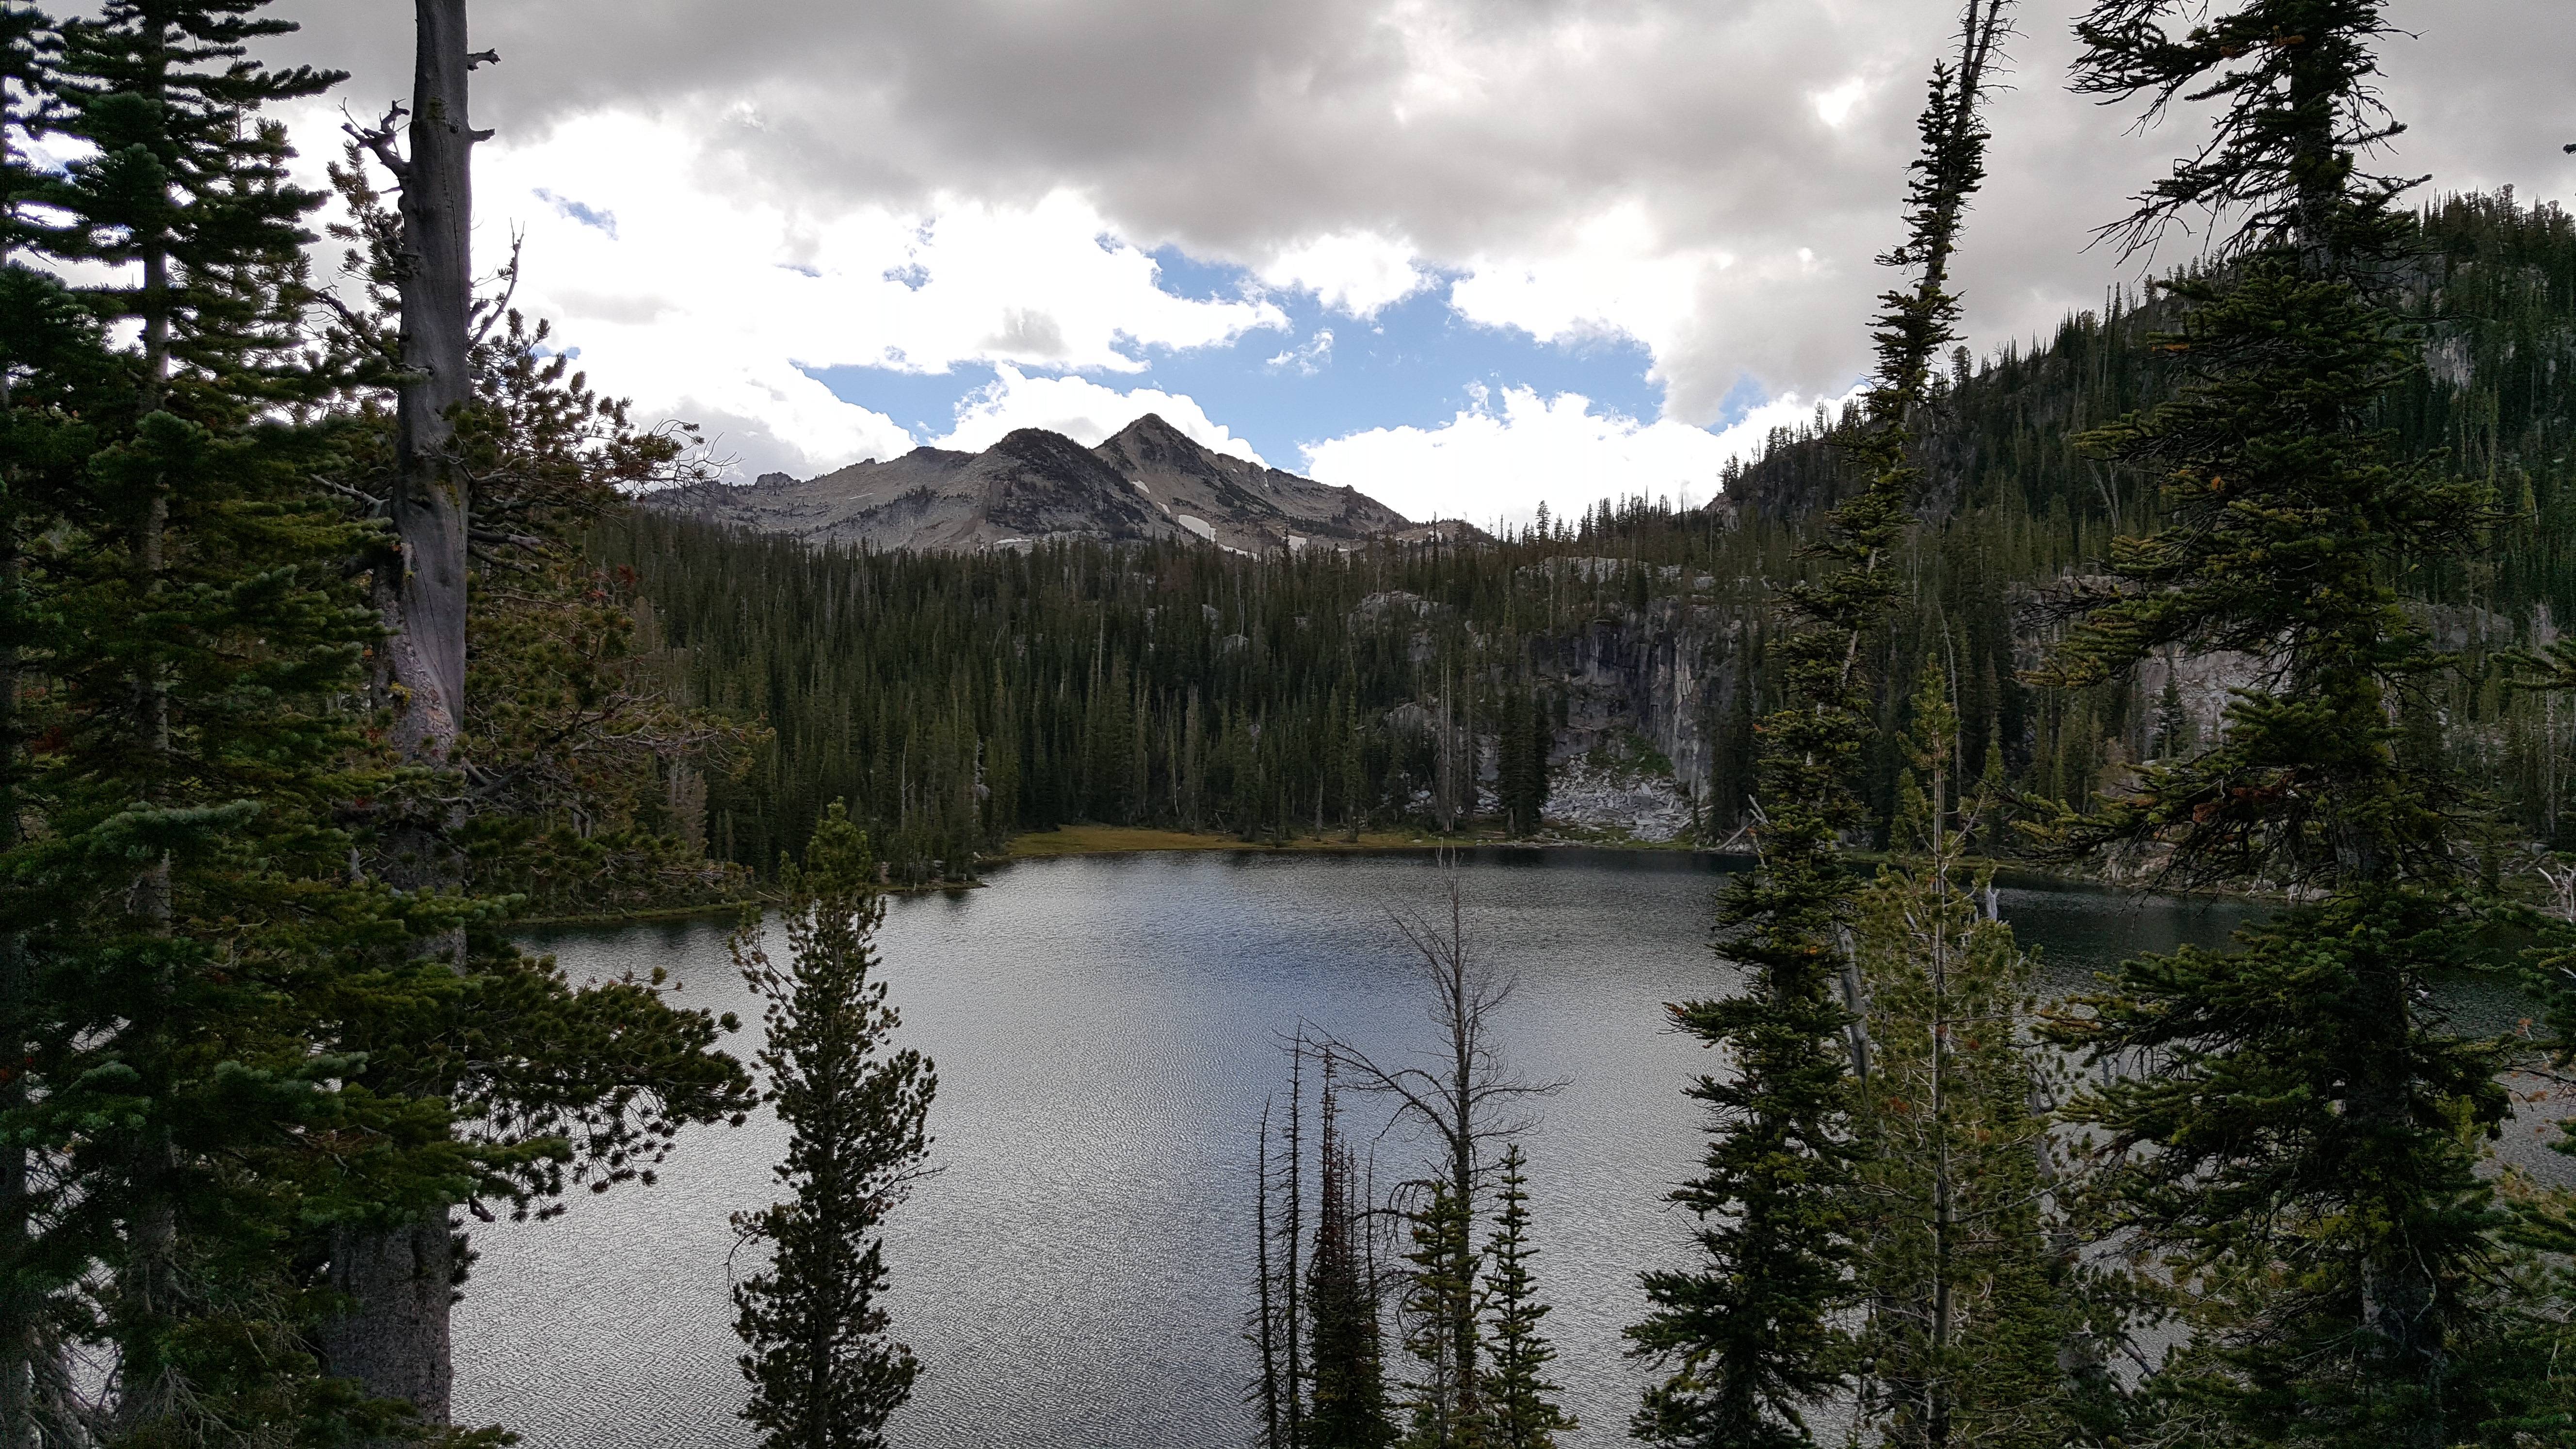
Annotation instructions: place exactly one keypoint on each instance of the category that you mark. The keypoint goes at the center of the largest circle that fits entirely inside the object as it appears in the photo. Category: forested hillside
(957, 700)
(2493, 284)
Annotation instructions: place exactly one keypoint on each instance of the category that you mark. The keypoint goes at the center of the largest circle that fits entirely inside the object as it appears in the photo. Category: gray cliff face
(1661, 676)
(1667, 678)
(1150, 482)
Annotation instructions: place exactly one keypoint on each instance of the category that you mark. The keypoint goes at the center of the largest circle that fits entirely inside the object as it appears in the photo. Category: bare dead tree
(424, 598)
(1291, 1236)
(1460, 1090)
(1264, 1332)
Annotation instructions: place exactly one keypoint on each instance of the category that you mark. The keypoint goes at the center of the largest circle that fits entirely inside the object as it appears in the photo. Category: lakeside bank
(1077, 841)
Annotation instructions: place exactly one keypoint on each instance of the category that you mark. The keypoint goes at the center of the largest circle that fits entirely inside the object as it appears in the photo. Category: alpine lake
(1076, 1275)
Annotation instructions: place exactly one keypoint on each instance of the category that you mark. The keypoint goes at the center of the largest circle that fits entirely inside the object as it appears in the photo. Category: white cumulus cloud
(817, 182)
(1360, 273)
(715, 307)
(1572, 161)
(1617, 273)
(1082, 410)
(1506, 453)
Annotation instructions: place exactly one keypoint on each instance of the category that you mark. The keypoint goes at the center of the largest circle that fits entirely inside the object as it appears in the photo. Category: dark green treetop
(1753, 1338)
(822, 1370)
(1520, 1402)
(2302, 1151)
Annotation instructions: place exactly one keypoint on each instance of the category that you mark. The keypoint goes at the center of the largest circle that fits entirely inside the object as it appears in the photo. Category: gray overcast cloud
(1710, 177)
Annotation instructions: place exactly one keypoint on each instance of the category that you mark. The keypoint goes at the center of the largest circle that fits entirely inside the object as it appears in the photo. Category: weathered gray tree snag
(399, 1282)
(423, 599)
(1466, 1098)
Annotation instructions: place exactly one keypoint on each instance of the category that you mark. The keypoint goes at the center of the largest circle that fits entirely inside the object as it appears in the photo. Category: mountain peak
(1153, 425)
(1150, 481)
(1035, 443)
(1152, 438)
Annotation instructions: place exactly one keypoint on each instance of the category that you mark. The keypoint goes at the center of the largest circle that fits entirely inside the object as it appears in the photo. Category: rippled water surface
(1105, 1032)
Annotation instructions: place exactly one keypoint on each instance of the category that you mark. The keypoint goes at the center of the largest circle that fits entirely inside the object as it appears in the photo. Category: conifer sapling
(823, 1373)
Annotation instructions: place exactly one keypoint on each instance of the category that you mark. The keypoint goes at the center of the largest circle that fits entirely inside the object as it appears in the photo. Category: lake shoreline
(1071, 842)
(645, 916)
(1076, 841)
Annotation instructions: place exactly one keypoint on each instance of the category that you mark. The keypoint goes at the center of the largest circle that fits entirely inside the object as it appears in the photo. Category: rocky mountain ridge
(1149, 482)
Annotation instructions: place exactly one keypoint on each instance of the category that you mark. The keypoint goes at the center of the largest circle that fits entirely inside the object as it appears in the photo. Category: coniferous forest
(1193, 689)
(341, 636)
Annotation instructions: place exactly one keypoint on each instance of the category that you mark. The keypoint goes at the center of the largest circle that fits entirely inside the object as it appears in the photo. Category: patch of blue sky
(922, 403)
(1186, 277)
(1416, 362)
(587, 215)
(1747, 394)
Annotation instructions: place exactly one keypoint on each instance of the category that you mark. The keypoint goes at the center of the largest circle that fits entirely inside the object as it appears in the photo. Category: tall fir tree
(194, 971)
(1346, 1381)
(1520, 1401)
(1523, 739)
(1754, 1338)
(52, 356)
(2302, 1154)
(1966, 1314)
(192, 623)
(1443, 1396)
(2174, 733)
(559, 754)
(823, 1373)
(395, 1274)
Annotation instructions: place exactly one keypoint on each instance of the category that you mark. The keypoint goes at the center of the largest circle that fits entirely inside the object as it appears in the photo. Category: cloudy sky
(1466, 255)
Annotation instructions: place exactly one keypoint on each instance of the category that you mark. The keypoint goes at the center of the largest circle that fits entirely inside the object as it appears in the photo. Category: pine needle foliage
(182, 643)
(1520, 1401)
(1971, 1326)
(226, 1047)
(1443, 1399)
(1345, 1376)
(1524, 736)
(823, 1373)
(2299, 1149)
(1753, 1340)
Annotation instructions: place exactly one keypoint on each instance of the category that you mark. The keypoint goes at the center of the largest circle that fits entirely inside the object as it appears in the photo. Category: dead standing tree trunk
(399, 1280)
(1462, 1094)
(423, 599)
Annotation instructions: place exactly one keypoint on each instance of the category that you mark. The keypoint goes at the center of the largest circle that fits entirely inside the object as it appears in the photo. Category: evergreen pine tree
(570, 1084)
(1539, 734)
(2174, 735)
(1354, 781)
(1522, 737)
(48, 342)
(1346, 1394)
(186, 908)
(1965, 1322)
(2302, 1152)
(1443, 1402)
(1520, 1403)
(1752, 1339)
(823, 1373)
